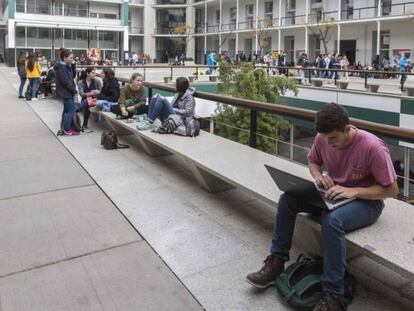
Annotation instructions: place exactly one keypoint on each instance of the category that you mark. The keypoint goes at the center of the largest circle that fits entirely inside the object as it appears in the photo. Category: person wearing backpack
(133, 98)
(33, 73)
(88, 86)
(66, 89)
(358, 166)
(109, 94)
(181, 110)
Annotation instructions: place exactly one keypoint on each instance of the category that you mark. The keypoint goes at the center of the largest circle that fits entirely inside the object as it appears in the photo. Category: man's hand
(324, 181)
(124, 112)
(339, 192)
(130, 109)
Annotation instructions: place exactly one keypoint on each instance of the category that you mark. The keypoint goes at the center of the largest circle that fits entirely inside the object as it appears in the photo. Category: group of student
(29, 68)
(125, 102)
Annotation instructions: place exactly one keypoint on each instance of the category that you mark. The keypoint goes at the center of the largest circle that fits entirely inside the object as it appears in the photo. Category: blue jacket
(65, 86)
(210, 59)
(403, 63)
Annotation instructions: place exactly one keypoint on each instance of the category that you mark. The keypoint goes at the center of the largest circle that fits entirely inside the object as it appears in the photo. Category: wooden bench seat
(219, 164)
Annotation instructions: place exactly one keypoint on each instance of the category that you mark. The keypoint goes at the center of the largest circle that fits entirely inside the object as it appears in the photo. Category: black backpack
(76, 123)
(110, 141)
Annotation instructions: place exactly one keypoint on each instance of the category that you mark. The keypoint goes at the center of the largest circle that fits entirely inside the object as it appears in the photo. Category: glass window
(268, 9)
(39, 6)
(218, 16)
(76, 38)
(108, 40)
(233, 15)
(20, 6)
(249, 10)
(20, 36)
(168, 19)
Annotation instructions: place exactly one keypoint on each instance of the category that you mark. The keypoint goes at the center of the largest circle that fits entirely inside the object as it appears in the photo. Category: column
(307, 13)
(149, 25)
(378, 40)
(280, 13)
(190, 40)
(339, 10)
(278, 40)
(306, 40)
(221, 10)
(205, 32)
(379, 8)
(338, 43)
(257, 26)
(237, 27)
(125, 46)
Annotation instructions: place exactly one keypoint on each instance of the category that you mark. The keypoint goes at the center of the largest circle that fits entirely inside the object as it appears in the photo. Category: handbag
(109, 141)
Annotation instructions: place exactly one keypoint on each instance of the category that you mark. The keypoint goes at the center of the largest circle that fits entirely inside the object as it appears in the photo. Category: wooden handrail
(380, 129)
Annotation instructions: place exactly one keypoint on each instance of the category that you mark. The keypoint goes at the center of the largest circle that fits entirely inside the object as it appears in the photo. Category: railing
(268, 23)
(398, 9)
(199, 28)
(213, 28)
(359, 13)
(171, 2)
(228, 27)
(136, 1)
(323, 17)
(136, 30)
(70, 12)
(166, 31)
(246, 25)
(293, 20)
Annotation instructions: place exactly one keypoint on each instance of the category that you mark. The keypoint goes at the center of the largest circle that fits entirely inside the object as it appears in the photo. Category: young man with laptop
(358, 166)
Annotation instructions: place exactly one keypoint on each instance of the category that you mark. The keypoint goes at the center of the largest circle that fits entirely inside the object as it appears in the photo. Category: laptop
(305, 189)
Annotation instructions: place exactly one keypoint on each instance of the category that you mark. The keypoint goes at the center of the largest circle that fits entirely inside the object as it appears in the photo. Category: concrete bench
(192, 78)
(409, 90)
(342, 85)
(167, 79)
(316, 82)
(219, 164)
(373, 88)
(213, 78)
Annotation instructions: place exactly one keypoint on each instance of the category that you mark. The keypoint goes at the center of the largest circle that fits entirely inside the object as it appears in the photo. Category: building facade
(364, 30)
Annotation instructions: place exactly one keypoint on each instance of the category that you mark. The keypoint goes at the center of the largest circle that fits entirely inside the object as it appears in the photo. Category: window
(233, 15)
(20, 36)
(20, 6)
(249, 10)
(218, 17)
(268, 10)
(290, 5)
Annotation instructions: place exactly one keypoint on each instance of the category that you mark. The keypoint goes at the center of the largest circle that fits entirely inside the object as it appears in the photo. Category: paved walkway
(69, 247)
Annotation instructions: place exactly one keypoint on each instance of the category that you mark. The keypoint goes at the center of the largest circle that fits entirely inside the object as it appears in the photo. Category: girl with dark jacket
(21, 71)
(110, 91)
(66, 89)
(88, 86)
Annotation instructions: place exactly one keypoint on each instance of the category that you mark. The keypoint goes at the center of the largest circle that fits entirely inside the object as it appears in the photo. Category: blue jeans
(34, 85)
(105, 105)
(69, 110)
(354, 215)
(160, 108)
(23, 79)
(86, 112)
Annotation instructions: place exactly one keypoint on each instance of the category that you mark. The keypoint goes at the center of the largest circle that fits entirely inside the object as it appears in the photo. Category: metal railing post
(196, 73)
(172, 72)
(253, 128)
(403, 77)
(309, 76)
(335, 76)
(366, 79)
(149, 94)
(145, 73)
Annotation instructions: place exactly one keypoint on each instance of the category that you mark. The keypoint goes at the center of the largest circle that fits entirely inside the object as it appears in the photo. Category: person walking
(21, 71)
(33, 73)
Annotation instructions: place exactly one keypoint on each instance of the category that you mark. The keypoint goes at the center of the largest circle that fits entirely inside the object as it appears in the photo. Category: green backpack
(300, 284)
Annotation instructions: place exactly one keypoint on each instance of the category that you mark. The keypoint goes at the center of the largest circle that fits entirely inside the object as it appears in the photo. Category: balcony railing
(213, 28)
(171, 2)
(395, 9)
(246, 25)
(136, 30)
(199, 28)
(398, 9)
(293, 20)
(136, 1)
(323, 17)
(228, 27)
(70, 12)
(268, 23)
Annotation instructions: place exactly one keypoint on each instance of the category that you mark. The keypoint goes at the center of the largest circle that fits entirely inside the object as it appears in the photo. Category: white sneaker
(35, 98)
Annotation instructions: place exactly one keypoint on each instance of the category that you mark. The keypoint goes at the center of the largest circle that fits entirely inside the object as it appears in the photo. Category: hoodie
(65, 86)
(184, 105)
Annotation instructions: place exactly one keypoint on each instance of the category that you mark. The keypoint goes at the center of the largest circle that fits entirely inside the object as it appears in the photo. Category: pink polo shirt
(365, 161)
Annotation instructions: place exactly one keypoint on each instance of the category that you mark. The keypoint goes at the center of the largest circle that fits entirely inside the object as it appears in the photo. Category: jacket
(109, 91)
(184, 108)
(136, 98)
(65, 86)
(83, 87)
(35, 73)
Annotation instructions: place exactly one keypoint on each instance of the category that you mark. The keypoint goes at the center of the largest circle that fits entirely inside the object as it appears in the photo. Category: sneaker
(142, 117)
(20, 96)
(145, 125)
(266, 277)
(329, 303)
(71, 132)
(35, 98)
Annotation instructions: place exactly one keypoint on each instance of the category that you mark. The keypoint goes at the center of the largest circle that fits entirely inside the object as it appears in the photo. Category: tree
(253, 84)
(187, 32)
(322, 28)
(263, 34)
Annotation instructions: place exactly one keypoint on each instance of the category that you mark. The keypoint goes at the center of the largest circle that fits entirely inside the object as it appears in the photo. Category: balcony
(136, 30)
(199, 28)
(228, 27)
(323, 17)
(246, 25)
(68, 12)
(268, 23)
(136, 2)
(293, 20)
(395, 9)
(170, 2)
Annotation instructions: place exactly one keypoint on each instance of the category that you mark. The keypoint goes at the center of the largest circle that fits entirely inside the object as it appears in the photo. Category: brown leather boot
(328, 303)
(266, 277)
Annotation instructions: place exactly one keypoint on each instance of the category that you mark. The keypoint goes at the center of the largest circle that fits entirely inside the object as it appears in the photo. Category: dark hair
(182, 84)
(331, 117)
(109, 73)
(31, 61)
(85, 73)
(21, 60)
(134, 76)
(65, 53)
